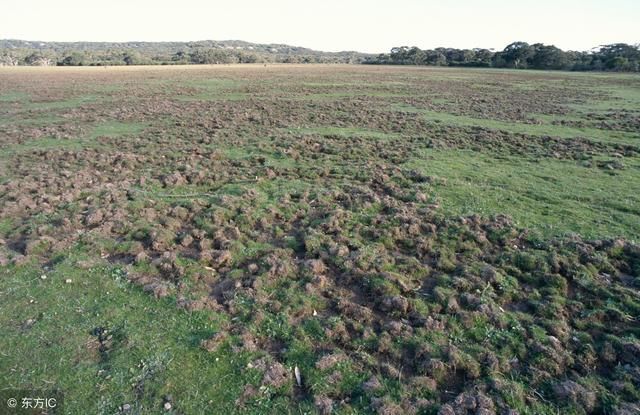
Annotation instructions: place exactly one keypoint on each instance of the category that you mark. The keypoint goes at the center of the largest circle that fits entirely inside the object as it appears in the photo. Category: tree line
(197, 56)
(18, 52)
(519, 55)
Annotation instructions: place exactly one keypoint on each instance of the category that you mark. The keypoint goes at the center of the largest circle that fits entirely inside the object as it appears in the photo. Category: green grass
(116, 129)
(212, 83)
(107, 129)
(616, 98)
(28, 104)
(46, 143)
(155, 343)
(213, 89)
(531, 129)
(6, 224)
(271, 158)
(344, 132)
(215, 96)
(330, 96)
(556, 197)
(37, 121)
(16, 96)
(63, 104)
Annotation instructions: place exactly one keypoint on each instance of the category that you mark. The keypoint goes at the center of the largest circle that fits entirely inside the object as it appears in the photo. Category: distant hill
(23, 52)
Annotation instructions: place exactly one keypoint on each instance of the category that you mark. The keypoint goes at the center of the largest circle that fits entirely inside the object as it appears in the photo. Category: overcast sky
(330, 25)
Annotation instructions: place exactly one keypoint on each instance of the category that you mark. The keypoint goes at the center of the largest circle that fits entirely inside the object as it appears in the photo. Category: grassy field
(409, 240)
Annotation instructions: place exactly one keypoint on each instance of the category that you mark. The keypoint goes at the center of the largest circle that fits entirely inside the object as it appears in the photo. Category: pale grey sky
(331, 25)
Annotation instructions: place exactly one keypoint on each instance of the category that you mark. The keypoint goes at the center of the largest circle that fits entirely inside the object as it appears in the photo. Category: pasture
(412, 240)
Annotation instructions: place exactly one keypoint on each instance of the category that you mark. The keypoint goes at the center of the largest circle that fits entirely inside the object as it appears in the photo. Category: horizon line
(305, 47)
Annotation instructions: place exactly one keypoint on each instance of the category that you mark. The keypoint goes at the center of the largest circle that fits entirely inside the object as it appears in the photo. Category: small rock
(167, 406)
(125, 408)
(298, 376)
(28, 324)
(43, 277)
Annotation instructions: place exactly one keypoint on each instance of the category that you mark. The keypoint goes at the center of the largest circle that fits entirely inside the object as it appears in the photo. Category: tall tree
(516, 54)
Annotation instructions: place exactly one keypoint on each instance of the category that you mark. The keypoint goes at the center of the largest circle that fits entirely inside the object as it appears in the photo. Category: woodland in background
(20, 52)
(618, 57)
